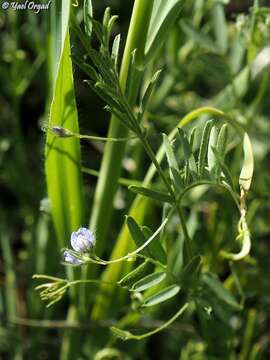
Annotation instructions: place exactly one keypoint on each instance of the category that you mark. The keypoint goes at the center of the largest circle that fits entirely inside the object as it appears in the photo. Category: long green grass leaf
(62, 156)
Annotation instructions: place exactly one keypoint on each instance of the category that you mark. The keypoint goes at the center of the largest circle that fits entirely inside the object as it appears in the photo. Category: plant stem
(11, 298)
(188, 241)
(152, 156)
(250, 327)
(127, 335)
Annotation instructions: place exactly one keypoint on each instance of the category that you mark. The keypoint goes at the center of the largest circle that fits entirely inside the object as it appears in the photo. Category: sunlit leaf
(62, 156)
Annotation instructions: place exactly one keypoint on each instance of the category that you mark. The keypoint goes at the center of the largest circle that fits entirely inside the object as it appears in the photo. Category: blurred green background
(198, 70)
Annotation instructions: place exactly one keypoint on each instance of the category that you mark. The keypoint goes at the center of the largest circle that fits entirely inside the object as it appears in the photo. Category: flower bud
(82, 240)
(70, 259)
(61, 132)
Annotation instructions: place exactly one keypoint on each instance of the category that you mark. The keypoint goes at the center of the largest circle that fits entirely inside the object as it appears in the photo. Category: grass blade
(62, 156)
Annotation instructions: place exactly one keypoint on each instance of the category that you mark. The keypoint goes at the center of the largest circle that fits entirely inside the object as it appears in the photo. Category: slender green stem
(249, 331)
(63, 133)
(11, 309)
(188, 241)
(207, 182)
(152, 156)
(47, 277)
(100, 138)
(129, 256)
(159, 264)
(122, 181)
(93, 281)
(126, 335)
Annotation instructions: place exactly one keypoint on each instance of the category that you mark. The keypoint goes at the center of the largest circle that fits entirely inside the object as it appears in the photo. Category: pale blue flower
(70, 259)
(82, 240)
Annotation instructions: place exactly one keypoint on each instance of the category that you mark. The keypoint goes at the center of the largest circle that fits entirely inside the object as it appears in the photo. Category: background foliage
(213, 54)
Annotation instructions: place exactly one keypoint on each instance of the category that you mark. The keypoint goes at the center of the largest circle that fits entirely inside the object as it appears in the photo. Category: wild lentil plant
(163, 248)
(151, 279)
